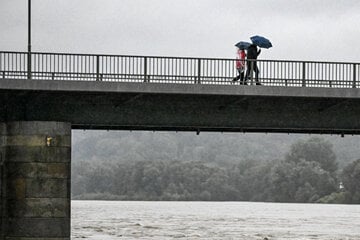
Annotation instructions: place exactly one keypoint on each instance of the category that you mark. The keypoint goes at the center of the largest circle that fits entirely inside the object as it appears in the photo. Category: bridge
(178, 94)
(45, 95)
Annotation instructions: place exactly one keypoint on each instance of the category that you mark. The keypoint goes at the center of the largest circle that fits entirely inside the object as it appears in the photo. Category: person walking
(252, 54)
(240, 65)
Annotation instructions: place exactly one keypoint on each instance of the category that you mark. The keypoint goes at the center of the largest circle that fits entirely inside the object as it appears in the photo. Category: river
(104, 220)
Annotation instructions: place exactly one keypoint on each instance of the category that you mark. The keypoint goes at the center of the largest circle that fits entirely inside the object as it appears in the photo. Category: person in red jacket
(240, 65)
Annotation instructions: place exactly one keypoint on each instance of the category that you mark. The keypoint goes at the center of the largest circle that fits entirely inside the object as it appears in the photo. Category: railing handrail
(175, 57)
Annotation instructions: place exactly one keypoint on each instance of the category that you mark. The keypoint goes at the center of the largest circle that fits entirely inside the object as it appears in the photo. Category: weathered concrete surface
(37, 189)
(166, 88)
(180, 107)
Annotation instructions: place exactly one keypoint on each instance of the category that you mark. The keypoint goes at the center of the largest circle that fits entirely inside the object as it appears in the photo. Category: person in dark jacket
(252, 54)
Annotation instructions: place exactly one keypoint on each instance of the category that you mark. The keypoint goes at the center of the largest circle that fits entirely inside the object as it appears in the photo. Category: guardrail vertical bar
(29, 65)
(1, 65)
(145, 70)
(97, 68)
(199, 72)
(304, 74)
(354, 76)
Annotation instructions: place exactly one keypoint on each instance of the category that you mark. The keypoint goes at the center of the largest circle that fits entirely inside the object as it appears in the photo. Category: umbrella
(261, 41)
(243, 45)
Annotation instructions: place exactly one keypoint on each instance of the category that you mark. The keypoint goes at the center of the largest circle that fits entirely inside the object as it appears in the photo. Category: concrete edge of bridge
(175, 88)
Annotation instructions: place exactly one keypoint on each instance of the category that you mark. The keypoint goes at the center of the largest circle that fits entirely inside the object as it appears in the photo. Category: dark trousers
(249, 65)
(240, 76)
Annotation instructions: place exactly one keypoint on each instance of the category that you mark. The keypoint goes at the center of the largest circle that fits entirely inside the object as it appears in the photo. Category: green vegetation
(157, 167)
(351, 180)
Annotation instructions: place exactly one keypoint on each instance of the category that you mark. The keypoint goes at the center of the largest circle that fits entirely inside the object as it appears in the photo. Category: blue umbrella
(261, 41)
(243, 45)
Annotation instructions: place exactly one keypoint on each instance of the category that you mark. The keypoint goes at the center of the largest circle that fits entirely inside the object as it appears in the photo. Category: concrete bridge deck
(182, 107)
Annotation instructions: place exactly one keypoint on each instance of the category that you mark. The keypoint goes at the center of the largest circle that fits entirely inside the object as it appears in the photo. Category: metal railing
(181, 70)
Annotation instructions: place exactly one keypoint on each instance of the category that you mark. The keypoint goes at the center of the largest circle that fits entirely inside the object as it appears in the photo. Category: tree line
(308, 173)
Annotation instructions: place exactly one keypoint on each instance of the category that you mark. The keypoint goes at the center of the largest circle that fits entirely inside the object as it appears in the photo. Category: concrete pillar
(37, 169)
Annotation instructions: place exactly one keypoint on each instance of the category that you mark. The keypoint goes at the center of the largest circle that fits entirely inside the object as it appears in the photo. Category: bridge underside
(183, 108)
(36, 118)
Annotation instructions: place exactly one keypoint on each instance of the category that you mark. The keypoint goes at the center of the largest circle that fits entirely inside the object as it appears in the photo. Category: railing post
(354, 76)
(2, 73)
(29, 41)
(29, 65)
(145, 70)
(97, 68)
(304, 74)
(199, 72)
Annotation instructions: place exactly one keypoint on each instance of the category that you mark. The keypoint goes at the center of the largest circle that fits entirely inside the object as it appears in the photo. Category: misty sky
(326, 30)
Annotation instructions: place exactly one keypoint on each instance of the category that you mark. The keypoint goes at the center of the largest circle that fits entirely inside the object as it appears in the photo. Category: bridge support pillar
(36, 181)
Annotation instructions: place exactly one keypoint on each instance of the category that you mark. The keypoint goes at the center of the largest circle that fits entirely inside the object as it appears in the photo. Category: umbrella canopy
(243, 45)
(261, 41)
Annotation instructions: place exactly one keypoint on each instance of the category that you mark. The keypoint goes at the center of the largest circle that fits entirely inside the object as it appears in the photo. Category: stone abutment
(35, 180)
